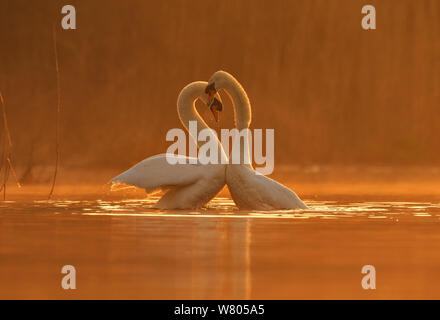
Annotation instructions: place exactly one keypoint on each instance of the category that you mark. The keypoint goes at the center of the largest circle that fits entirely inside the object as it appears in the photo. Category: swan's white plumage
(188, 185)
(193, 185)
(243, 114)
(156, 173)
(248, 189)
(253, 191)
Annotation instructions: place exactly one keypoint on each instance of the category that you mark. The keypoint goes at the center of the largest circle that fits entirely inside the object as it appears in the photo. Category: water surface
(126, 249)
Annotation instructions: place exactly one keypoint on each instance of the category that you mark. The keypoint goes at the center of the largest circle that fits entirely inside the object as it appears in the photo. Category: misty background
(333, 92)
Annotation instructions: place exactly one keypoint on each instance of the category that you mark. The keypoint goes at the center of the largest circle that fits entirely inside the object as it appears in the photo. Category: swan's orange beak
(211, 97)
(216, 106)
(216, 114)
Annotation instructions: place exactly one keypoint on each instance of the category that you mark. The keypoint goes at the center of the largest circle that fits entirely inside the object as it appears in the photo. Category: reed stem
(57, 69)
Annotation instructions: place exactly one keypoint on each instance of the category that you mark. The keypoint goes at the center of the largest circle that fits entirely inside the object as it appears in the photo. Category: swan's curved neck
(186, 109)
(241, 105)
(240, 100)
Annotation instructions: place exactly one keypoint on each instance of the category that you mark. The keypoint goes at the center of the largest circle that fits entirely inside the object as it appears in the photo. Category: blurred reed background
(334, 93)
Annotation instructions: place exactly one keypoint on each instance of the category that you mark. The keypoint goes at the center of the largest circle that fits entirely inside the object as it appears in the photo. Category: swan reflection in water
(128, 249)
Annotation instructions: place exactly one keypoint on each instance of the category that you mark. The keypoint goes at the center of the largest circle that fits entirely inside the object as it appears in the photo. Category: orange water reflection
(125, 249)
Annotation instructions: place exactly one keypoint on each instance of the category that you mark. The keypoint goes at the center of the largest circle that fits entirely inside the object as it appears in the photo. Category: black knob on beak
(210, 89)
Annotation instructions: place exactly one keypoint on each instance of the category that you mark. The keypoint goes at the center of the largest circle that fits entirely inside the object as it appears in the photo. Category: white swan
(248, 189)
(189, 186)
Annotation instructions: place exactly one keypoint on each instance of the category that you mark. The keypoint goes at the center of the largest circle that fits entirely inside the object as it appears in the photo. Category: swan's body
(253, 191)
(189, 186)
(248, 189)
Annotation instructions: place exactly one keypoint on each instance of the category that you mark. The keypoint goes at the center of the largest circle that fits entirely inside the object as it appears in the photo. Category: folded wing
(156, 173)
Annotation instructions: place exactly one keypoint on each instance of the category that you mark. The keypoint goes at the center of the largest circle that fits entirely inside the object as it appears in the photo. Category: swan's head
(242, 106)
(217, 81)
(214, 102)
(211, 91)
(196, 91)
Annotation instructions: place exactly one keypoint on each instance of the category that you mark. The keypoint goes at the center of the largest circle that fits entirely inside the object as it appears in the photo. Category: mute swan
(248, 189)
(190, 186)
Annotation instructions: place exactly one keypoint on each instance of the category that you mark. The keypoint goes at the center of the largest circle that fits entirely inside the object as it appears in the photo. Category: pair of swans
(191, 186)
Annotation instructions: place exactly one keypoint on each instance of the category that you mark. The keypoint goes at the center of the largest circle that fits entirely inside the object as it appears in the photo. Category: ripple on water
(224, 208)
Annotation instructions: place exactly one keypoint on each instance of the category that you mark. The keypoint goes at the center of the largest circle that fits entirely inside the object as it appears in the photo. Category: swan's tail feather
(116, 186)
(119, 183)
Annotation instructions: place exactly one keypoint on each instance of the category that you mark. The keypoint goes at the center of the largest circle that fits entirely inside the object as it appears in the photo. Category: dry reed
(57, 69)
(6, 159)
